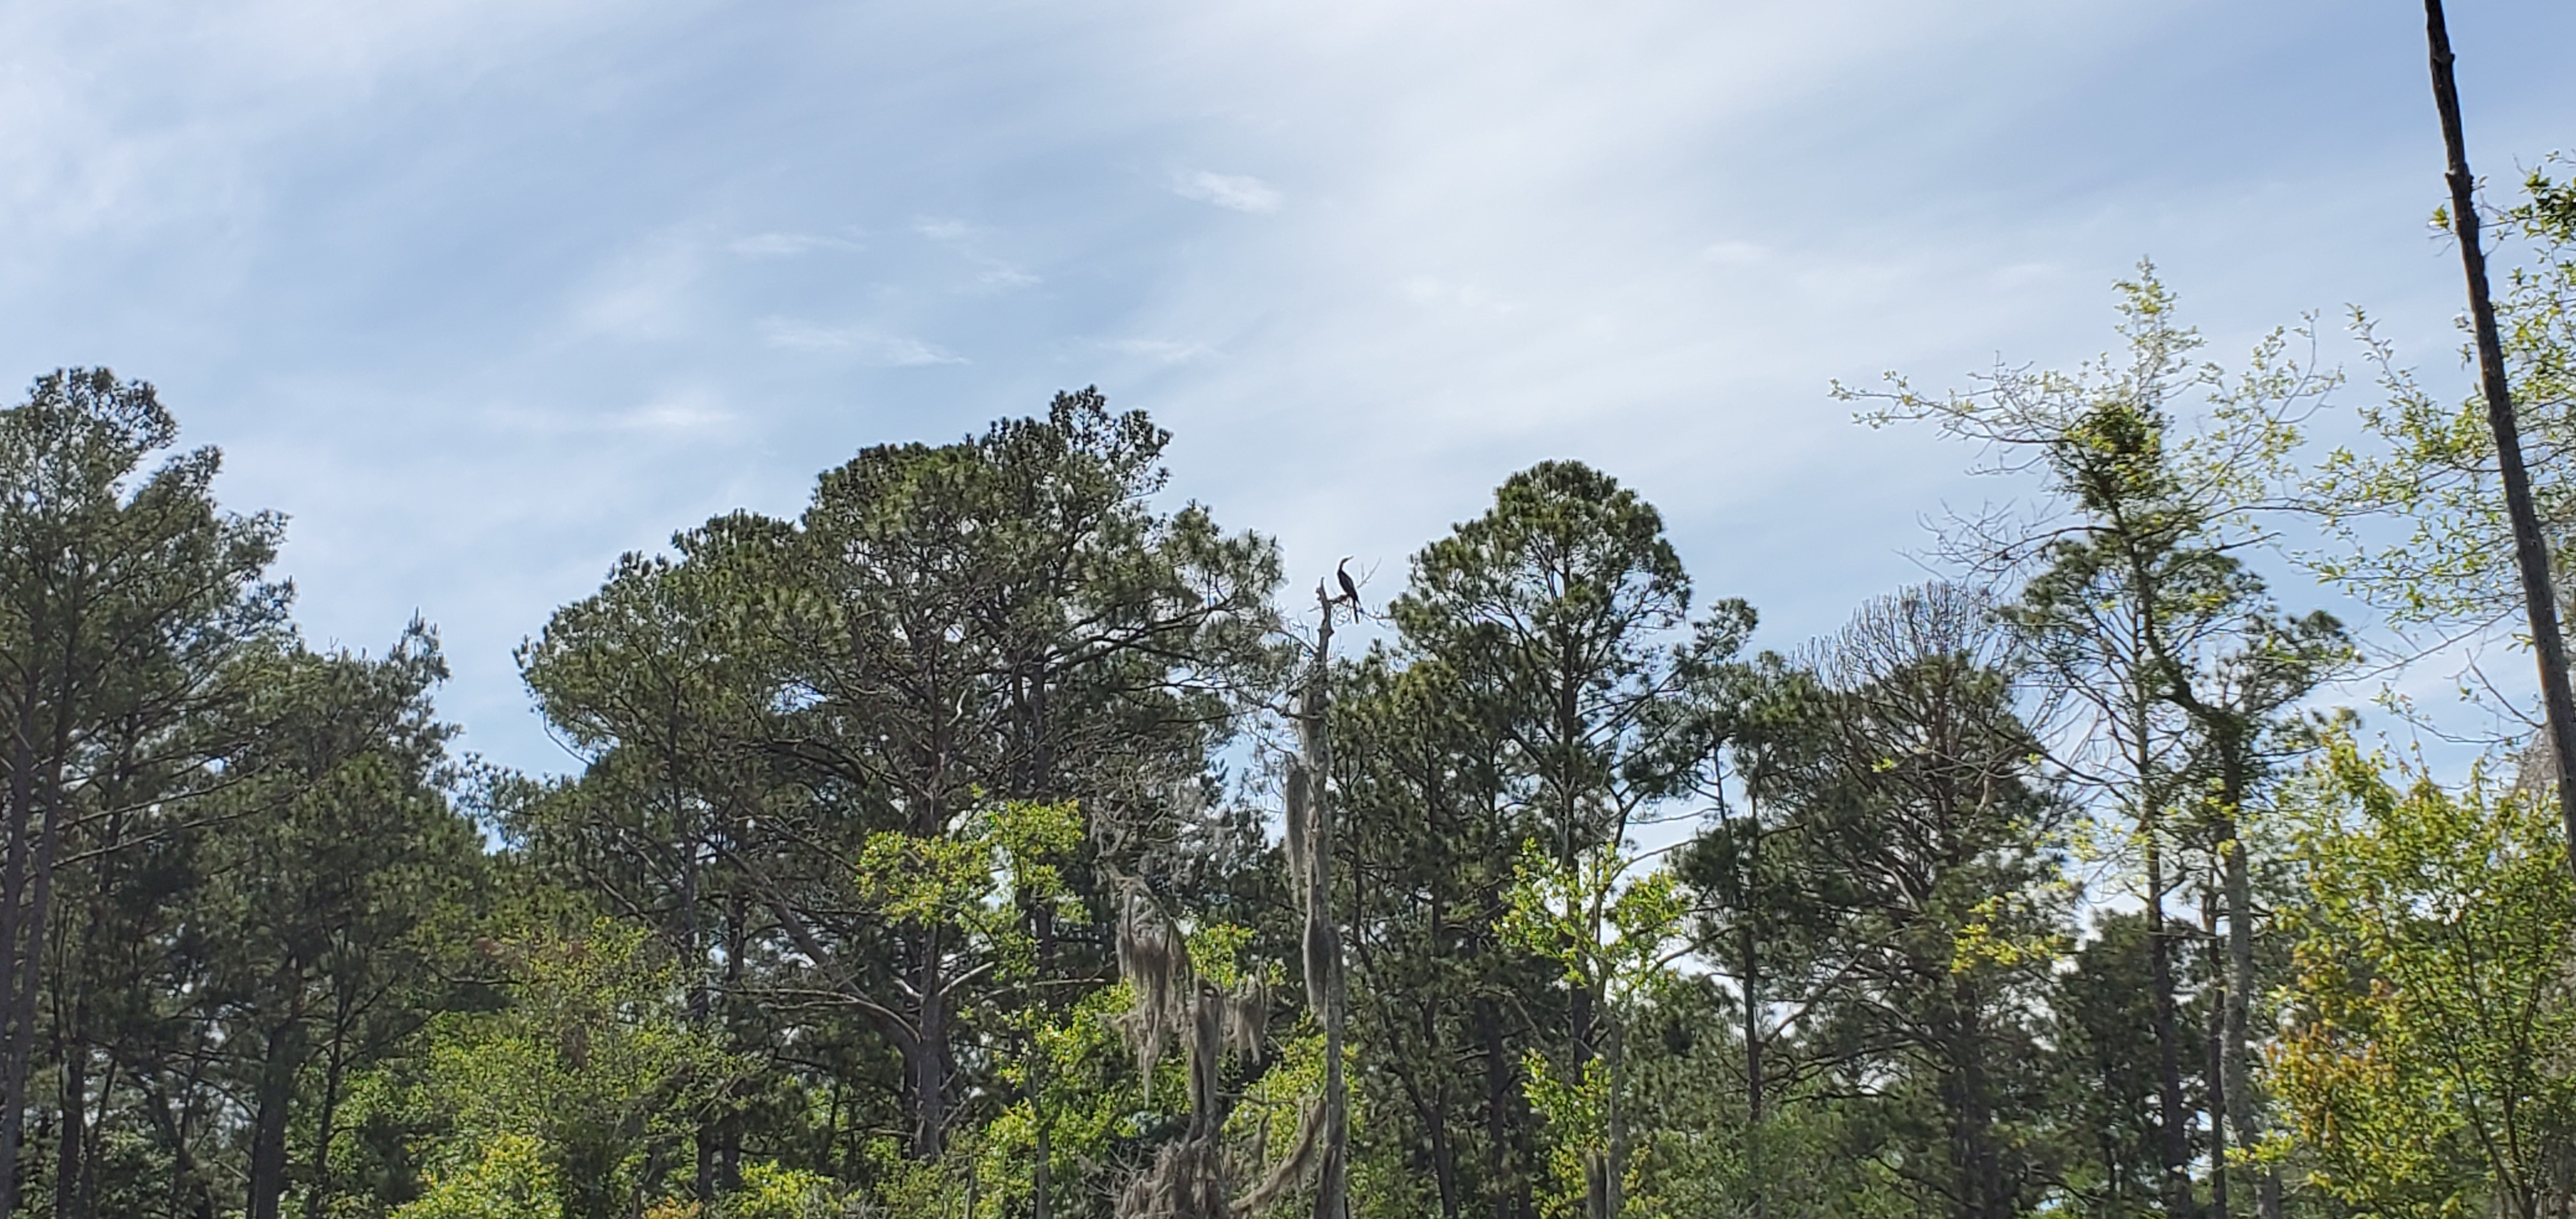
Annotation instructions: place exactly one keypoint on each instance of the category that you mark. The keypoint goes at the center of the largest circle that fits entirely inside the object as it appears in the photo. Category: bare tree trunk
(2530, 549)
(1323, 942)
(2241, 1101)
(68, 1169)
(2234, 1066)
(1504, 1187)
(1614, 1176)
(926, 1064)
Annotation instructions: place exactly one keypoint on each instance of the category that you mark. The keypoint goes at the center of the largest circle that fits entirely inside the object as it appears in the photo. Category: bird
(1350, 591)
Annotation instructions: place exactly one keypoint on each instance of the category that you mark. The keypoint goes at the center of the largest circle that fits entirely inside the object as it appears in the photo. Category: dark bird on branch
(1350, 591)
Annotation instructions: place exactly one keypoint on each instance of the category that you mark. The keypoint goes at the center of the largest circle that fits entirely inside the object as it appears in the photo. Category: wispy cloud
(1161, 351)
(786, 245)
(642, 294)
(965, 240)
(1432, 290)
(871, 346)
(691, 414)
(1241, 192)
(398, 211)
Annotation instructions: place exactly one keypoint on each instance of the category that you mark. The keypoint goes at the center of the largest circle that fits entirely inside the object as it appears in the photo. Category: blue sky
(485, 292)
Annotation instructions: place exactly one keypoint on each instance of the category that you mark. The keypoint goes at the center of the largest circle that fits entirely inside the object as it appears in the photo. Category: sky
(484, 293)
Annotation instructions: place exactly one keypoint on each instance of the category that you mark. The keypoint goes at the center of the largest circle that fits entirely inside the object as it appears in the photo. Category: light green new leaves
(2430, 1009)
(2422, 518)
(1613, 923)
(575, 1099)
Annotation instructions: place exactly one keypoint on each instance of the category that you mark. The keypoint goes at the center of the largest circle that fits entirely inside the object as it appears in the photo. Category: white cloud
(643, 294)
(1161, 351)
(694, 413)
(1520, 230)
(691, 414)
(1432, 290)
(1241, 192)
(965, 241)
(781, 245)
(871, 346)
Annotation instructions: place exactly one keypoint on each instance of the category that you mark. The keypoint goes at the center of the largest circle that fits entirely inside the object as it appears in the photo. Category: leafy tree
(795, 724)
(2422, 518)
(1561, 621)
(1753, 923)
(1614, 928)
(577, 1098)
(334, 899)
(2139, 603)
(1923, 834)
(122, 593)
(2423, 1066)
(1444, 1002)
(2112, 1062)
(659, 679)
(1004, 618)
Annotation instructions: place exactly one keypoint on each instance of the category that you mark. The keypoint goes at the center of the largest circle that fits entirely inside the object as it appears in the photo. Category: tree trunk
(317, 1190)
(2173, 1112)
(1444, 1144)
(188, 1192)
(1749, 948)
(1614, 1183)
(1501, 1183)
(2530, 548)
(925, 1058)
(68, 1169)
(2241, 1106)
(22, 1043)
(1753, 1086)
(2216, 1057)
(272, 1101)
(17, 969)
(2237, 881)
(1323, 941)
(1982, 1193)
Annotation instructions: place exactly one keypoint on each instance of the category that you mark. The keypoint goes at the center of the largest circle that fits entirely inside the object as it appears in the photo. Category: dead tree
(2530, 549)
(1310, 863)
(1190, 1177)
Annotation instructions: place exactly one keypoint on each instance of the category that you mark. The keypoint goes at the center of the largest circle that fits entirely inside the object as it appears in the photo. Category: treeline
(997, 838)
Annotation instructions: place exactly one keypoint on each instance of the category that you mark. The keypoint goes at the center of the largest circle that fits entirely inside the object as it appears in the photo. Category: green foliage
(909, 869)
(2421, 516)
(2424, 1061)
(509, 1175)
(769, 1191)
(578, 1094)
(1613, 924)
